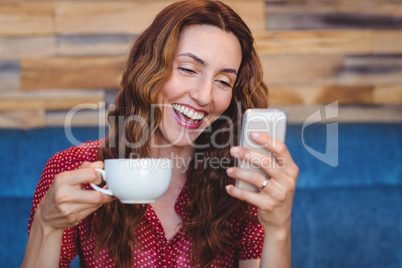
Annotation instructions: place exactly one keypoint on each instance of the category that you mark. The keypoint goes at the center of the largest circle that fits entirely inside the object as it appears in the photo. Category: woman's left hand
(275, 199)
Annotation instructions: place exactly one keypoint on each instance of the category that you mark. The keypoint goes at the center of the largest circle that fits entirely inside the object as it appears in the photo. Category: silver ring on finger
(264, 184)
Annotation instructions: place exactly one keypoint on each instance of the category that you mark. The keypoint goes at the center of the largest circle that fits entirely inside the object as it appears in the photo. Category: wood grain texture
(119, 17)
(90, 44)
(346, 94)
(315, 42)
(298, 114)
(305, 94)
(252, 12)
(291, 94)
(26, 18)
(19, 47)
(312, 69)
(329, 42)
(22, 119)
(47, 102)
(387, 42)
(372, 69)
(70, 72)
(132, 17)
(388, 94)
(334, 15)
(79, 118)
(58, 53)
(9, 75)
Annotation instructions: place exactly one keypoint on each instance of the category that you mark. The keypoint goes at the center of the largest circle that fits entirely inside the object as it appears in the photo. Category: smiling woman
(200, 84)
(187, 79)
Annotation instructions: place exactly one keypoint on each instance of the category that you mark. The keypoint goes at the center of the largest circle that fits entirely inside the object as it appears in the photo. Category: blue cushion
(347, 227)
(344, 216)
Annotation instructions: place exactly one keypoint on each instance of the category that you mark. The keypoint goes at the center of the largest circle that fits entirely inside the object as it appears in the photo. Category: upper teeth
(188, 112)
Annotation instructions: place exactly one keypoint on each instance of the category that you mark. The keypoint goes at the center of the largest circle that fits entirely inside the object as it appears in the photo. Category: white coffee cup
(136, 181)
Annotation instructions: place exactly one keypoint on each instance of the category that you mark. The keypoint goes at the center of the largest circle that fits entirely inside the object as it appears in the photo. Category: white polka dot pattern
(153, 250)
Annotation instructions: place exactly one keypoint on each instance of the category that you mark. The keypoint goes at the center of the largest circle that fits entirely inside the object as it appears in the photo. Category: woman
(187, 78)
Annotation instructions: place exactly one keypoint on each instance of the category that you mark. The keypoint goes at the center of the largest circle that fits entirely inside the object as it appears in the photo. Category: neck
(181, 157)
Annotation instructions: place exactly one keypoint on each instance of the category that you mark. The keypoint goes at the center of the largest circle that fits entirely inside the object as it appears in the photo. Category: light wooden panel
(387, 41)
(313, 53)
(329, 42)
(70, 72)
(19, 47)
(292, 94)
(388, 94)
(284, 1)
(351, 114)
(78, 118)
(372, 69)
(9, 75)
(99, 44)
(82, 17)
(26, 18)
(324, 94)
(313, 69)
(9, 104)
(252, 12)
(346, 94)
(22, 119)
(129, 17)
(15, 101)
(334, 15)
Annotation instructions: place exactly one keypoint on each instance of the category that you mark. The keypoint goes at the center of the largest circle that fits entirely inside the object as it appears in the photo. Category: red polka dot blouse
(155, 250)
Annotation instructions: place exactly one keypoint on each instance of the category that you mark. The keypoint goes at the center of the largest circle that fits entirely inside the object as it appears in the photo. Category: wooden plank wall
(55, 55)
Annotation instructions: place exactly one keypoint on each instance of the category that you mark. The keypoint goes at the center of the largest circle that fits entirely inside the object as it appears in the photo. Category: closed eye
(224, 83)
(186, 70)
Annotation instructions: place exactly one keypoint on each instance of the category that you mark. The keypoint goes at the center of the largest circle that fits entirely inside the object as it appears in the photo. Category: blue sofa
(344, 216)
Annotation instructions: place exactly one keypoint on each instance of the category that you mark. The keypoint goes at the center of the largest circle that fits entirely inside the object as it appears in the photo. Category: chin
(171, 138)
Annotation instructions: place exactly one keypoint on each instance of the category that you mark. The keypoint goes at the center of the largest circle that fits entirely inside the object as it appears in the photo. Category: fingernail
(255, 135)
(234, 150)
(228, 187)
(229, 171)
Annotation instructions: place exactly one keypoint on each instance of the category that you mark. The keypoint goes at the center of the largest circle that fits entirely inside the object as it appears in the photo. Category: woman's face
(200, 86)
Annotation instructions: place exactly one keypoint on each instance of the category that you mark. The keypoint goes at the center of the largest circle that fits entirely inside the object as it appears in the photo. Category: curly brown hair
(148, 68)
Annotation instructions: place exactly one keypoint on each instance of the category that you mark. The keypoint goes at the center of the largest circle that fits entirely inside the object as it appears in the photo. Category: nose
(202, 93)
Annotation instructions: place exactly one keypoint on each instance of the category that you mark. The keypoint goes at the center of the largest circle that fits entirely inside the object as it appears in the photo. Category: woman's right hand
(66, 203)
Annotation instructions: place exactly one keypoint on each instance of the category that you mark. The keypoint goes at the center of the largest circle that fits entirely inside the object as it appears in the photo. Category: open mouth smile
(187, 116)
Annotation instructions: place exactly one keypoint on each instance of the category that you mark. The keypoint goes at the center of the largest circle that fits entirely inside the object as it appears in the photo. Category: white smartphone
(269, 121)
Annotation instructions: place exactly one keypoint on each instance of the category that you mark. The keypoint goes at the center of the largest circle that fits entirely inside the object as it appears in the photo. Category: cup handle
(99, 189)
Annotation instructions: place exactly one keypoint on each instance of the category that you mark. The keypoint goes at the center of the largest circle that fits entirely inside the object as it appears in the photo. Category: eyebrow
(203, 63)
